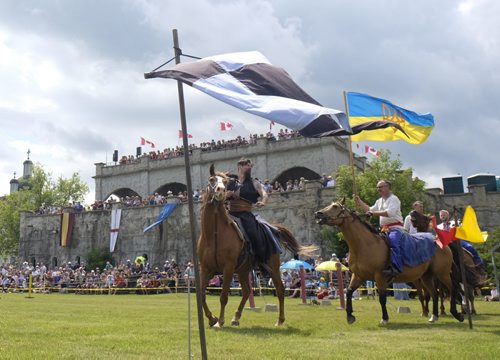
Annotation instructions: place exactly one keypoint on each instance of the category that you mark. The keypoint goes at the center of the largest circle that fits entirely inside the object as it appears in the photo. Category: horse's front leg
(274, 264)
(204, 276)
(353, 285)
(245, 293)
(226, 287)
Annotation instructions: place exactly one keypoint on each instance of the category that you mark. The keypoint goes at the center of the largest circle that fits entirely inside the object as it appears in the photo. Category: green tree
(484, 250)
(43, 190)
(335, 242)
(96, 258)
(407, 188)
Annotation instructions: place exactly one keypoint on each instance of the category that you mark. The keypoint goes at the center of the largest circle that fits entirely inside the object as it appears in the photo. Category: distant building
(24, 181)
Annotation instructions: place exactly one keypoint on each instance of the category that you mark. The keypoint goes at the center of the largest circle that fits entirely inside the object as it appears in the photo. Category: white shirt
(409, 226)
(393, 207)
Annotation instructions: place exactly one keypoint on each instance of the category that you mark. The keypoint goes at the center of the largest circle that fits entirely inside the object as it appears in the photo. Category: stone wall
(171, 240)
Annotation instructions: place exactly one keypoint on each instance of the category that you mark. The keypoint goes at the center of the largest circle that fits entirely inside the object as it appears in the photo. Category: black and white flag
(248, 81)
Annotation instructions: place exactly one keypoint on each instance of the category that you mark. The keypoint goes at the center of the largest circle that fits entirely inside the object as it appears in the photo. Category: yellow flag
(469, 230)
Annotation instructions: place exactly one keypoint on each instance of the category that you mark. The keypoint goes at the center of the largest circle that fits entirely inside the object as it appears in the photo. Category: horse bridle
(343, 211)
(212, 189)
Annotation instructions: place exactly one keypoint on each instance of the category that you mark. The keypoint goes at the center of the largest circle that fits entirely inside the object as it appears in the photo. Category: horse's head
(420, 221)
(216, 188)
(333, 214)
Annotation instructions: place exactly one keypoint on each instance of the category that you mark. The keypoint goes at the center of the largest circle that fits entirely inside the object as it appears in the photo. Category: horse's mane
(369, 226)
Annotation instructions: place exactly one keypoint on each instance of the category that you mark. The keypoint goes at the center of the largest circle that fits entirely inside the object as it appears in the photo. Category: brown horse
(475, 275)
(369, 254)
(222, 250)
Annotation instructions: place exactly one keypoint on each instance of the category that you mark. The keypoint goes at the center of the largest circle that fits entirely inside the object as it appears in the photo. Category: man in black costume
(244, 193)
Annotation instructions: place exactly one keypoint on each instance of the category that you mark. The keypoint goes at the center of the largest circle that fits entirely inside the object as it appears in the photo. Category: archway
(296, 173)
(122, 193)
(174, 187)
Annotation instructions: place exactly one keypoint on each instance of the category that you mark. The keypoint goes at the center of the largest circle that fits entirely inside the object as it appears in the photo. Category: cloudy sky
(72, 85)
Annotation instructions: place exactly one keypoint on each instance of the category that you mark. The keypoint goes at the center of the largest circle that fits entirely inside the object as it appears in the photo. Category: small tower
(27, 167)
(14, 184)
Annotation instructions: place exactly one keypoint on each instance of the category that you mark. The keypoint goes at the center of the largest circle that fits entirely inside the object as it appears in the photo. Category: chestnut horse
(369, 254)
(222, 250)
(475, 275)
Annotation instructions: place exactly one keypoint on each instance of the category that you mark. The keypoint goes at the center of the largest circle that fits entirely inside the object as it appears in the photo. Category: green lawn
(69, 326)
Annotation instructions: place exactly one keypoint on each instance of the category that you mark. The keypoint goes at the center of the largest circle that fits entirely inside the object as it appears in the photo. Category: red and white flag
(271, 124)
(373, 151)
(180, 135)
(144, 142)
(225, 126)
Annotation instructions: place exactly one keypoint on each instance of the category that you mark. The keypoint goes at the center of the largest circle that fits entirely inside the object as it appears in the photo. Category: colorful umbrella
(330, 266)
(295, 265)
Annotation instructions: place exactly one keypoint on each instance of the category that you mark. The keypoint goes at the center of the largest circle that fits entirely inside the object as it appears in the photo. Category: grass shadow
(259, 331)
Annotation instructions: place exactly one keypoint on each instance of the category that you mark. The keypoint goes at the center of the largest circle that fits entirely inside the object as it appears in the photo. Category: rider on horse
(244, 193)
(388, 209)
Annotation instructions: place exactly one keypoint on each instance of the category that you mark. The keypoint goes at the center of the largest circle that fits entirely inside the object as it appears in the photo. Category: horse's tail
(291, 243)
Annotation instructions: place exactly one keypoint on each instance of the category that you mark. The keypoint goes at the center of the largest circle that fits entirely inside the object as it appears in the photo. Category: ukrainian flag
(364, 108)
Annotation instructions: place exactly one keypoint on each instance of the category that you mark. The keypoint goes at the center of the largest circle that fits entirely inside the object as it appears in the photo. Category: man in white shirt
(418, 206)
(388, 209)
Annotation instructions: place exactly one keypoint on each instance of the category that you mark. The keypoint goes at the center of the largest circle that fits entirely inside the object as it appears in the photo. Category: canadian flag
(180, 135)
(225, 126)
(370, 150)
(144, 142)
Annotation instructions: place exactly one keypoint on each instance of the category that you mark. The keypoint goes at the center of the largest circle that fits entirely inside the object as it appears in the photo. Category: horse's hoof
(235, 323)
(279, 323)
(433, 319)
(351, 319)
(213, 321)
(383, 322)
(443, 313)
(458, 316)
(424, 314)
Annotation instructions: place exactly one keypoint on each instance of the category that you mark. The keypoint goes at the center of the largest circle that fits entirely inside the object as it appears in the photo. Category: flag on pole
(370, 150)
(165, 213)
(248, 81)
(364, 108)
(180, 135)
(114, 226)
(468, 230)
(144, 142)
(225, 126)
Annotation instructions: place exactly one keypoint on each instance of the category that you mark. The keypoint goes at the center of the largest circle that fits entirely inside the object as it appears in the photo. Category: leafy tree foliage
(484, 250)
(43, 191)
(407, 188)
(96, 258)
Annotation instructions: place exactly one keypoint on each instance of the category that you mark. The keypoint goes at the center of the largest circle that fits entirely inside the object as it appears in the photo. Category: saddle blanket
(417, 248)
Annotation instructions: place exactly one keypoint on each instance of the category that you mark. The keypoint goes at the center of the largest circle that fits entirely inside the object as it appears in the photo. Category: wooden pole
(192, 218)
(460, 251)
(302, 285)
(340, 285)
(349, 144)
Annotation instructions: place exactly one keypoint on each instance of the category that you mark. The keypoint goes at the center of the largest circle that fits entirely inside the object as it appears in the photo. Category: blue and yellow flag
(365, 108)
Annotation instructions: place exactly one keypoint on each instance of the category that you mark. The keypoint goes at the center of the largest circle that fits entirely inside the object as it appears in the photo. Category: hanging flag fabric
(180, 135)
(144, 142)
(469, 229)
(365, 108)
(165, 213)
(444, 236)
(114, 227)
(248, 81)
(225, 126)
(66, 229)
(373, 151)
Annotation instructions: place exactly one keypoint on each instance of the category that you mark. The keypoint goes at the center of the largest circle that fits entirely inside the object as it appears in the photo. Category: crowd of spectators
(108, 279)
(213, 145)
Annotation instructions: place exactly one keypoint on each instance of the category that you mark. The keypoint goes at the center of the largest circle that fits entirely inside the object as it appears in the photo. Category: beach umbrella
(295, 265)
(330, 266)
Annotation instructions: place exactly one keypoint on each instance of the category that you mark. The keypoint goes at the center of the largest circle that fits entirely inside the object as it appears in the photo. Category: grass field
(68, 326)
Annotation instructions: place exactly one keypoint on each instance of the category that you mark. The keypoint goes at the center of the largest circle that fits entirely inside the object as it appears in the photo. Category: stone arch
(296, 173)
(174, 187)
(122, 192)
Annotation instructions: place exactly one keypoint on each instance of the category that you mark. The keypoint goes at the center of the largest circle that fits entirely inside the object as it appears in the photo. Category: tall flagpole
(349, 144)
(192, 218)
